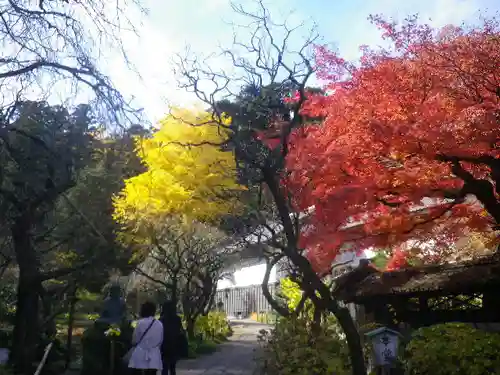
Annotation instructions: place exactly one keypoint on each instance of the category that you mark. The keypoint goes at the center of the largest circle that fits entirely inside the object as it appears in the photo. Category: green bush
(7, 303)
(213, 326)
(291, 293)
(209, 330)
(295, 347)
(452, 348)
(291, 348)
(267, 318)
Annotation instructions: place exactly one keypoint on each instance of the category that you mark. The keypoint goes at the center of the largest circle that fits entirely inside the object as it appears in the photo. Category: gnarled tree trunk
(353, 339)
(312, 283)
(26, 330)
(190, 323)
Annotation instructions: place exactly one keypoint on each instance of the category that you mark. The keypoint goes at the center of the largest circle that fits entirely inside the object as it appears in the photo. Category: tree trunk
(174, 293)
(313, 281)
(26, 329)
(316, 322)
(190, 322)
(353, 339)
(211, 301)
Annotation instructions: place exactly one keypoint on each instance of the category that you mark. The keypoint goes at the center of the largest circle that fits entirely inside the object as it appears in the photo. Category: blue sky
(202, 24)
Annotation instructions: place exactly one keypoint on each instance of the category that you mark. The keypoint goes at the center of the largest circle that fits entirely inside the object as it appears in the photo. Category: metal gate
(243, 301)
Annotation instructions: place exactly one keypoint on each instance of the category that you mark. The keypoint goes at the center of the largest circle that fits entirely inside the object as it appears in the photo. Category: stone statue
(114, 308)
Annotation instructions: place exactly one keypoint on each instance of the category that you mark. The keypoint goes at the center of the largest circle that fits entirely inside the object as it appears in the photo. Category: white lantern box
(385, 344)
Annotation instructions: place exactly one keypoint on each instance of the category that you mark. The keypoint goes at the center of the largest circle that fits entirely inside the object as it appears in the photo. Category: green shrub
(7, 303)
(267, 318)
(92, 317)
(209, 330)
(291, 293)
(291, 348)
(294, 347)
(192, 348)
(452, 348)
(213, 326)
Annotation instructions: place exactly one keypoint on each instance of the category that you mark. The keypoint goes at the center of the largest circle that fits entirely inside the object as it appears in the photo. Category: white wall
(253, 275)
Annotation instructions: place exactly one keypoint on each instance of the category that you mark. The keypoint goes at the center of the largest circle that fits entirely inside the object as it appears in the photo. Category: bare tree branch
(59, 41)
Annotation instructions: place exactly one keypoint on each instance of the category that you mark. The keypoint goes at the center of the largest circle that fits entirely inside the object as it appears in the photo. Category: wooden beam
(419, 318)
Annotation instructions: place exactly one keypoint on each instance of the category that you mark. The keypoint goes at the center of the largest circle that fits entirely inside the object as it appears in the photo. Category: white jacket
(147, 354)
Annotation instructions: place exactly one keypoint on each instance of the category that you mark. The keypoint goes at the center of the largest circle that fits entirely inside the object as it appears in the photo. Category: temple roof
(366, 282)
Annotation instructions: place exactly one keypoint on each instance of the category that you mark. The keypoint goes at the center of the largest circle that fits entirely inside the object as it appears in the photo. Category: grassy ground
(199, 348)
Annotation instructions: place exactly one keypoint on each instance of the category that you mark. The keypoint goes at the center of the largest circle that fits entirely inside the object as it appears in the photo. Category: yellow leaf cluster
(188, 174)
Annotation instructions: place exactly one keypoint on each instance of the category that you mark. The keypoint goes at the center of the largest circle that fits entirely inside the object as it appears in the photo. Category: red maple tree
(409, 145)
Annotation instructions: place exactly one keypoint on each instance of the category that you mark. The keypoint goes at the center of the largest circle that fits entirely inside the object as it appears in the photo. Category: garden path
(235, 357)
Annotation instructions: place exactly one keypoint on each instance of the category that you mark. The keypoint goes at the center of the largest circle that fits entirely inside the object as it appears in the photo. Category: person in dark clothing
(173, 334)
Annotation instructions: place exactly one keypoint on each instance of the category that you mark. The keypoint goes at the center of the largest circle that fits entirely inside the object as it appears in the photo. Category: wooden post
(71, 321)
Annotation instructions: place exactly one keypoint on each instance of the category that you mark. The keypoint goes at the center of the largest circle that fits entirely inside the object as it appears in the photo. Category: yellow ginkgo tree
(188, 173)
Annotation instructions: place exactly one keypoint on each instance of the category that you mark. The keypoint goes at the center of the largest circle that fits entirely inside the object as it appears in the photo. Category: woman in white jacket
(147, 339)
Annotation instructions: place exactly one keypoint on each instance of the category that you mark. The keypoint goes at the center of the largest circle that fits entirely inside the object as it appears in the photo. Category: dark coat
(172, 347)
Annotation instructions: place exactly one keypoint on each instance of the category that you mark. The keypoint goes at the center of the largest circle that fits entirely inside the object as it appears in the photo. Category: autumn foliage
(409, 145)
(188, 173)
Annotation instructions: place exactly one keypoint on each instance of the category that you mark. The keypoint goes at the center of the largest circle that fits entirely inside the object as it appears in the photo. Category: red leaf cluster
(399, 260)
(269, 141)
(295, 96)
(374, 170)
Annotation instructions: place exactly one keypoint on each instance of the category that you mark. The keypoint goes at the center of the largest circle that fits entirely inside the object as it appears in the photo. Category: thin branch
(138, 270)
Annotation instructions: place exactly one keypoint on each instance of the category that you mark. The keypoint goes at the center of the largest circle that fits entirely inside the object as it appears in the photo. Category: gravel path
(235, 357)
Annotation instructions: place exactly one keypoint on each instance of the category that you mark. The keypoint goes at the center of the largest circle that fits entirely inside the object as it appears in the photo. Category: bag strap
(144, 334)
